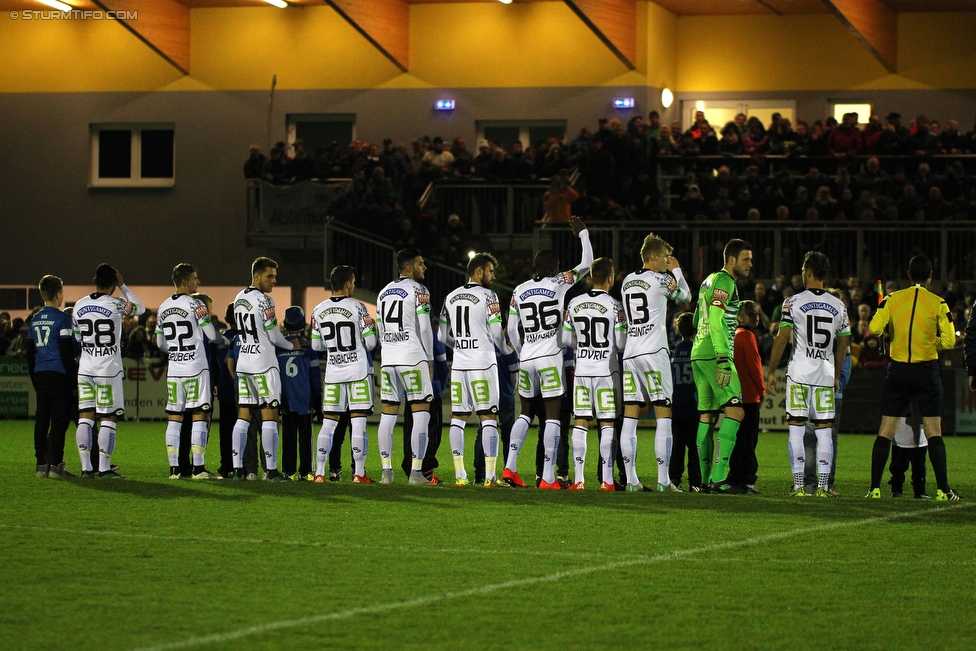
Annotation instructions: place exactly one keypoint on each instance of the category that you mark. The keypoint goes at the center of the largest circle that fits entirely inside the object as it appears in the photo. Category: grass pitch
(150, 563)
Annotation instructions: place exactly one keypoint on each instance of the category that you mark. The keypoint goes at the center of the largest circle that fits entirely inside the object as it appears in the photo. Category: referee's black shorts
(903, 382)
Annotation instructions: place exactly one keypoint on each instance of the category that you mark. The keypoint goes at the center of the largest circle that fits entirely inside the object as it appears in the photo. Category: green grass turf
(148, 561)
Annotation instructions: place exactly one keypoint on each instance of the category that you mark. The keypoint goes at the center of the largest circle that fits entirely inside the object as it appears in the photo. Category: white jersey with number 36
(816, 318)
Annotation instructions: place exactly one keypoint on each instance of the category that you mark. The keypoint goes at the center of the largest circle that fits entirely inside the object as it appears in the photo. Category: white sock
(519, 430)
(662, 450)
(489, 443)
(628, 449)
(269, 442)
(385, 436)
(106, 445)
(239, 440)
(173, 428)
(550, 443)
(825, 454)
(418, 439)
(360, 443)
(198, 441)
(324, 444)
(607, 452)
(457, 447)
(579, 453)
(83, 439)
(797, 454)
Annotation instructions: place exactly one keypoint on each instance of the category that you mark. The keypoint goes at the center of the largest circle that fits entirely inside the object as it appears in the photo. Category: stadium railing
(495, 208)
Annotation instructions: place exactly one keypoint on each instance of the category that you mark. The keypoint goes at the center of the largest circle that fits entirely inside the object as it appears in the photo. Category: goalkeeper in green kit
(711, 362)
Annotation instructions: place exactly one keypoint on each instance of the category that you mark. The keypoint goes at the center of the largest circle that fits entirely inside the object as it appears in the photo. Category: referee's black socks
(937, 455)
(879, 458)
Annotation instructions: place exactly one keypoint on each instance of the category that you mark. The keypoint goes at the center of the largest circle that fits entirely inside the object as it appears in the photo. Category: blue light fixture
(623, 102)
(444, 105)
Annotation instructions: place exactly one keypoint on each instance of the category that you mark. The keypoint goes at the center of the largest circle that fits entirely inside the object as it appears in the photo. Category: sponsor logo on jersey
(334, 310)
(493, 308)
(567, 277)
(246, 304)
(717, 303)
(367, 322)
(423, 298)
(826, 307)
(636, 282)
(463, 297)
(721, 295)
(590, 305)
(269, 314)
(672, 283)
(201, 311)
(536, 291)
(177, 311)
(97, 309)
(394, 291)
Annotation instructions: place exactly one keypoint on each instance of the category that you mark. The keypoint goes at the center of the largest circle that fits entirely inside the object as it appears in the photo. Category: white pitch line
(534, 580)
(313, 544)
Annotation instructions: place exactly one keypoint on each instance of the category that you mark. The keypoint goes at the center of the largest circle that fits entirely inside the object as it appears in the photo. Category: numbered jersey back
(645, 295)
(469, 314)
(254, 312)
(341, 323)
(595, 317)
(97, 321)
(817, 319)
(181, 319)
(401, 305)
(538, 305)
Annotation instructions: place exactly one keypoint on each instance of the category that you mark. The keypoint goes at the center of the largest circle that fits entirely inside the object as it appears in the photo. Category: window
(863, 112)
(320, 131)
(132, 155)
(720, 112)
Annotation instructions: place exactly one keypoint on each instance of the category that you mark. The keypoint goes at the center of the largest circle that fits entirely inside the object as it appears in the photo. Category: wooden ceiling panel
(614, 22)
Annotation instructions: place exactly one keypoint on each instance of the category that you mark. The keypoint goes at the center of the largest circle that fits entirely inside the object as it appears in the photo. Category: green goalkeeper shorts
(712, 397)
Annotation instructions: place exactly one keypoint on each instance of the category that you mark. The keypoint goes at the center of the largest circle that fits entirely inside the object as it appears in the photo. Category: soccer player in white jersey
(812, 319)
(343, 330)
(471, 323)
(97, 323)
(183, 322)
(258, 377)
(534, 320)
(596, 326)
(647, 360)
(403, 324)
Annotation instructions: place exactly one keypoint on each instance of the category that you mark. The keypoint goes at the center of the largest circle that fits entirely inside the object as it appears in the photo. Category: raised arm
(368, 326)
(579, 228)
(683, 292)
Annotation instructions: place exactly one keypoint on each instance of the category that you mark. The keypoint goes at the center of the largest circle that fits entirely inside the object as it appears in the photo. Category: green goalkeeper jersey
(715, 317)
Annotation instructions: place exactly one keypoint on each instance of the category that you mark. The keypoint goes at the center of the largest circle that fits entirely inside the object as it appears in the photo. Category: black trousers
(684, 434)
(900, 460)
(296, 443)
(338, 438)
(252, 456)
(54, 411)
(228, 418)
(743, 464)
(435, 431)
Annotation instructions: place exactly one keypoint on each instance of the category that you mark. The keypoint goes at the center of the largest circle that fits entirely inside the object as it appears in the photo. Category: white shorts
(348, 396)
(597, 397)
(808, 401)
(474, 391)
(259, 389)
(414, 381)
(185, 393)
(647, 379)
(542, 374)
(103, 395)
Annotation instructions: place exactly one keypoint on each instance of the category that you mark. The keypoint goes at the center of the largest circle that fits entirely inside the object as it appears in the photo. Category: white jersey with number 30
(595, 321)
(816, 318)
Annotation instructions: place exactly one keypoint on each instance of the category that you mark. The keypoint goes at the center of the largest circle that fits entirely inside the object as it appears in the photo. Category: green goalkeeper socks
(726, 441)
(705, 448)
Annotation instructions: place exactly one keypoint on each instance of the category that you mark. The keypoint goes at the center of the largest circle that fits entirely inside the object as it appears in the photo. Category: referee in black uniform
(918, 325)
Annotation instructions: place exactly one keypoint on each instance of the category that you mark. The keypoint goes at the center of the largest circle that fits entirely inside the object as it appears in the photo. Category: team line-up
(622, 364)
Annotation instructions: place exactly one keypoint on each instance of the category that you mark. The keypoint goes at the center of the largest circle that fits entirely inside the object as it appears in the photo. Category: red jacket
(845, 141)
(748, 366)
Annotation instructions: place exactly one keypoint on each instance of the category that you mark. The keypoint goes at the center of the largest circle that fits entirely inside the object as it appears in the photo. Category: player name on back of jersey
(395, 336)
(584, 351)
(177, 355)
(814, 348)
(93, 347)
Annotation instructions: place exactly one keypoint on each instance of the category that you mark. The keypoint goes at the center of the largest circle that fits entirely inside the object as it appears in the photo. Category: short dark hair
(686, 325)
(919, 268)
(817, 263)
(601, 270)
(341, 275)
(229, 315)
(735, 247)
(182, 272)
(262, 263)
(545, 260)
(480, 261)
(49, 287)
(406, 256)
(105, 275)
